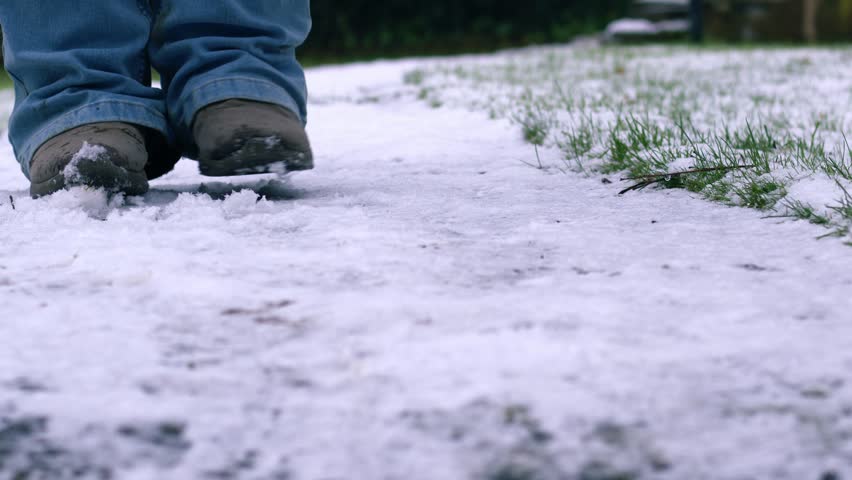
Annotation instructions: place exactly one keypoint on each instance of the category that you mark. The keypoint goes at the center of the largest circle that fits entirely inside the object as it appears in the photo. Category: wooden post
(809, 18)
(696, 20)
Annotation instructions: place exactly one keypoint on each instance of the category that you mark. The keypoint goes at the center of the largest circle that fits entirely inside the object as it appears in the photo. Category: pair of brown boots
(234, 137)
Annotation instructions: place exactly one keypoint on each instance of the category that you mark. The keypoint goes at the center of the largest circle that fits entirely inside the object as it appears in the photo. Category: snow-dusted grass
(765, 128)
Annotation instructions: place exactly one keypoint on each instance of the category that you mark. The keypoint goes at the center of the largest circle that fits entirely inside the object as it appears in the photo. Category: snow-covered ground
(777, 120)
(423, 305)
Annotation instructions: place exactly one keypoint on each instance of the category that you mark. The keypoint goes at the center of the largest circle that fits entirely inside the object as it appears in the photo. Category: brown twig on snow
(647, 180)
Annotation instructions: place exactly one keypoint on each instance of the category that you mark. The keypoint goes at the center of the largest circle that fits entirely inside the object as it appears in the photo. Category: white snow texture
(423, 305)
(71, 171)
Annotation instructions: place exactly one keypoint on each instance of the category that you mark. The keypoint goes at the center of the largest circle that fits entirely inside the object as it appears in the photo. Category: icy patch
(86, 152)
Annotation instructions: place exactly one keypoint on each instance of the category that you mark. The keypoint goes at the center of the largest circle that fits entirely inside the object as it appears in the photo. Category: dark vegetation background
(349, 30)
(357, 29)
(360, 29)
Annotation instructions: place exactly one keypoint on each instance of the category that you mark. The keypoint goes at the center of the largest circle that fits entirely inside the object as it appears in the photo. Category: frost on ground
(423, 305)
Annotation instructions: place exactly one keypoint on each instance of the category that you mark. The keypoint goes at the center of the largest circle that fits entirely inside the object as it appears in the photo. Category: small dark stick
(646, 180)
(12, 200)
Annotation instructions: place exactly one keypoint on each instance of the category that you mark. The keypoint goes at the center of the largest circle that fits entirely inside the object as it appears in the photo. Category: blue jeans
(76, 62)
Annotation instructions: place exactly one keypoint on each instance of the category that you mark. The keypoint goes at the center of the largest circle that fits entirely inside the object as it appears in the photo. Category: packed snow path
(421, 306)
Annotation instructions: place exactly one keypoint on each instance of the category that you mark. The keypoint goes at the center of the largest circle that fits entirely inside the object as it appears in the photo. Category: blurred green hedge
(353, 29)
(363, 28)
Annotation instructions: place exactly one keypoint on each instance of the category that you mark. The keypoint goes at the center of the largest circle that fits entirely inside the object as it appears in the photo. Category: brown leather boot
(109, 155)
(241, 137)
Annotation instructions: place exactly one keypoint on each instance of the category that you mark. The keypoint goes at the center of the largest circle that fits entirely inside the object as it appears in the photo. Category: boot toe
(240, 137)
(111, 156)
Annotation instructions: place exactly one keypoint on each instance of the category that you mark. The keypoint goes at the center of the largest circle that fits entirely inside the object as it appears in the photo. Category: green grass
(5, 81)
(757, 122)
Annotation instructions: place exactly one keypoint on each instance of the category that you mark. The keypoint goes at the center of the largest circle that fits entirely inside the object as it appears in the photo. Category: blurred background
(367, 29)
(363, 29)
(402, 27)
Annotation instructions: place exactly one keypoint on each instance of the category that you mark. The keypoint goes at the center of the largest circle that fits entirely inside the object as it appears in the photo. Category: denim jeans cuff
(245, 88)
(101, 111)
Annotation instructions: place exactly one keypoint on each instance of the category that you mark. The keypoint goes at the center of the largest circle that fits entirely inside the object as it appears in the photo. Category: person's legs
(214, 51)
(80, 62)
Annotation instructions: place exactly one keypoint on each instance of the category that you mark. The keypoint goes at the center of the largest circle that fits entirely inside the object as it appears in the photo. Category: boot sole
(95, 173)
(257, 155)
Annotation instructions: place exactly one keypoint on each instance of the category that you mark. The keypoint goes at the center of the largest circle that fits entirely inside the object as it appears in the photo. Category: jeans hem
(244, 88)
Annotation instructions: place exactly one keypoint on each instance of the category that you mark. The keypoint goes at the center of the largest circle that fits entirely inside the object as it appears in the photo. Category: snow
(86, 152)
(272, 142)
(631, 26)
(423, 305)
(817, 190)
(575, 98)
(681, 165)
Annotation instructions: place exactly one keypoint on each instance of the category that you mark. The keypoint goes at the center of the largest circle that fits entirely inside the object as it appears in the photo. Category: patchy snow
(86, 152)
(787, 109)
(682, 165)
(817, 190)
(272, 141)
(423, 305)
